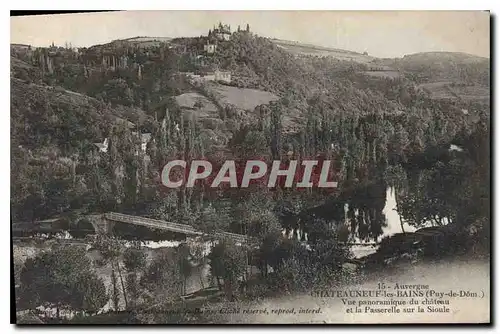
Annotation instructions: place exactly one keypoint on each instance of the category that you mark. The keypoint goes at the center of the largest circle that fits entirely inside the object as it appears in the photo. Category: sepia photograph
(250, 167)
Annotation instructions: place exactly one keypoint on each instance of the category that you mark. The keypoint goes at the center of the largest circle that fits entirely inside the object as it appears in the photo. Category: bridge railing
(151, 222)
(182, 228)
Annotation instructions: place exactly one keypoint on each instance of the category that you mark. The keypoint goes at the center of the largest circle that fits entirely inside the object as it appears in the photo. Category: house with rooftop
(224, 76)
(103, 147)
(145, 139)
(217, 75)
(210, 48)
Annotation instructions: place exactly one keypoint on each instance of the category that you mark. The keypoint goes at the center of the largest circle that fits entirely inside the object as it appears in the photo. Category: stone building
(210, 48)
(221, 32)
(224, 76)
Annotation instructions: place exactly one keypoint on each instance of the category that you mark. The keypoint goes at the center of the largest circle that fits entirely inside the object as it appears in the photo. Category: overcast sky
(381, 33)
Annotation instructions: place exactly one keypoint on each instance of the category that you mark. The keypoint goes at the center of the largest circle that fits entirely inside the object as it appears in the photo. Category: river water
(440, 275)
(392, 227)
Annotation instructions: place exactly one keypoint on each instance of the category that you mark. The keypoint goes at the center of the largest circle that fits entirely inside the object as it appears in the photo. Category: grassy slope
(242, 98)
(314, 50)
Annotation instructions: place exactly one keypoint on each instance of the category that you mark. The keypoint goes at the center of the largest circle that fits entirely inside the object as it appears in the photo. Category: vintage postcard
(251, 167)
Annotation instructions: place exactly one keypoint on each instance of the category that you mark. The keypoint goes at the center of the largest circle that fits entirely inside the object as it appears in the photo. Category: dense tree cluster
(379, 132)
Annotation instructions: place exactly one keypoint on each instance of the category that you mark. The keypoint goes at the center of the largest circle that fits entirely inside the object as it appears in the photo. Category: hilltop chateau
(222, 32)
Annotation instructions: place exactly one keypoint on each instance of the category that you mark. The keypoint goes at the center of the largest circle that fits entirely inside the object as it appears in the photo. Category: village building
(217, 76)
(145, 139)
(224, 76)
(103, 147)
(210, 48)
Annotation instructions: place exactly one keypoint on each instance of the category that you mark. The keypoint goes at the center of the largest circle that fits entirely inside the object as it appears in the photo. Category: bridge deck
(169, 226)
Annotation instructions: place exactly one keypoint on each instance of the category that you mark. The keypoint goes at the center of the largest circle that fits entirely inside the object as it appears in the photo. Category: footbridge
(112, 217)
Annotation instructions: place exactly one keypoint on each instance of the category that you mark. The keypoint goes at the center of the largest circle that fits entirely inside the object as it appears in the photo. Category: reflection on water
(392, 226)
(392, 216)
